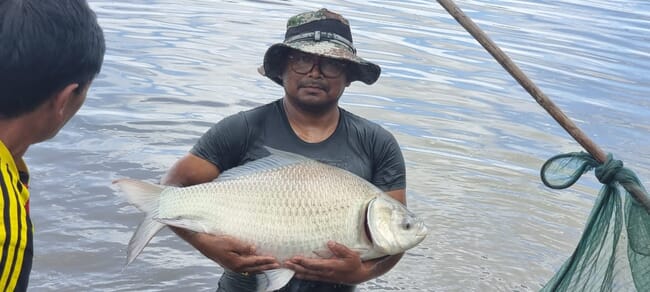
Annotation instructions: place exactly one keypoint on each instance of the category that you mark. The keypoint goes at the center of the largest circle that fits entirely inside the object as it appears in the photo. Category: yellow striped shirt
(16, 250)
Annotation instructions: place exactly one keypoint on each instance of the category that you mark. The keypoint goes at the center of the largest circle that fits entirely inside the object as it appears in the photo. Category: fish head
(393, 228)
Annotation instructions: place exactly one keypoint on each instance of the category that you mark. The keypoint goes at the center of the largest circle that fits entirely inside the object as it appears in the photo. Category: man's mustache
(313, 83)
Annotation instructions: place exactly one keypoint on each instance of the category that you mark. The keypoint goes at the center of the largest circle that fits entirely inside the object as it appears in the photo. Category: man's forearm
(193, 238)
(185, 234)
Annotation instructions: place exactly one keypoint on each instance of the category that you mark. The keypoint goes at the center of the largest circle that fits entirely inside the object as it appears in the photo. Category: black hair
(45, 45)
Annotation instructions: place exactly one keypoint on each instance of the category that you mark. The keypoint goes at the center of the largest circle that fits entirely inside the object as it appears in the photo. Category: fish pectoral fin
(360, 250)
(184, 223)
(273, 279)
(328, 254)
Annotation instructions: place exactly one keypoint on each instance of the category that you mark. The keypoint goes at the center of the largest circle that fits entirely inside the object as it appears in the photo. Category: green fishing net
(614, 251)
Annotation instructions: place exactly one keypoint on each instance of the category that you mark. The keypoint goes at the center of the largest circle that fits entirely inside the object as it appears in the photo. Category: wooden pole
(534, 91)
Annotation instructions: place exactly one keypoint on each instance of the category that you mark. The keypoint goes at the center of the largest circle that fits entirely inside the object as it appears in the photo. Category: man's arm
(346, 265)
(227, 251)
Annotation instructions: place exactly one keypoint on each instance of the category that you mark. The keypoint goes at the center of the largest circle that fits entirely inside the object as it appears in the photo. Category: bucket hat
(322, 33)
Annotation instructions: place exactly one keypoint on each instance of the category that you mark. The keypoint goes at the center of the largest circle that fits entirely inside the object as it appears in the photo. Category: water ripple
(472, 138)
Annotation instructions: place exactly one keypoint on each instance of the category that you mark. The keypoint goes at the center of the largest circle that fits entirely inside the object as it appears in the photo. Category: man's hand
(344, 267)
(227, 251)
(232, 253)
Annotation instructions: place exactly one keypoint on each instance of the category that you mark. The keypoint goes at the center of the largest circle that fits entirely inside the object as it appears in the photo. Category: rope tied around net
(607, 173)
(616, 239)
(564, 170)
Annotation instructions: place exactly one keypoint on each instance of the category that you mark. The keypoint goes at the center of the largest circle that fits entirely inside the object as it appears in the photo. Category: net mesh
(613, 253)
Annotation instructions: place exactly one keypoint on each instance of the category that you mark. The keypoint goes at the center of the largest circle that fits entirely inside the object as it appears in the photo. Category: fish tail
(145, 197)
(145, 232)
(141, 194)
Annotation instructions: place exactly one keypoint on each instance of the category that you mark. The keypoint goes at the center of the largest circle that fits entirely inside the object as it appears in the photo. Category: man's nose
(315, 69)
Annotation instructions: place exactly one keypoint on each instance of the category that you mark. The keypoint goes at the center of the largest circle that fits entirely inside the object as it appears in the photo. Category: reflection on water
(473, 139)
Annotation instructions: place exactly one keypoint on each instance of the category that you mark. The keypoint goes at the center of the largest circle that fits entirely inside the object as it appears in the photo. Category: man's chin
(315, 105)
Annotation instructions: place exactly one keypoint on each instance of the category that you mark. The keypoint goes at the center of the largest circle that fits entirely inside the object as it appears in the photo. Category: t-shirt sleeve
(15, 238)
(224, 143)
(389, 170)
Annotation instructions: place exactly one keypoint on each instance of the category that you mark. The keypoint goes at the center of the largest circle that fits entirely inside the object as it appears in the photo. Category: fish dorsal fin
(271, 280)
(276, 159)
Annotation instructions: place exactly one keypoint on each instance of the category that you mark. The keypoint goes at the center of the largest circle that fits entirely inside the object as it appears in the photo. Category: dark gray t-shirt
(357, 145)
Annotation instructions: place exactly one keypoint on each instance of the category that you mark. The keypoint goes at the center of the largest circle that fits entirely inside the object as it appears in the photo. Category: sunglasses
(302, 63)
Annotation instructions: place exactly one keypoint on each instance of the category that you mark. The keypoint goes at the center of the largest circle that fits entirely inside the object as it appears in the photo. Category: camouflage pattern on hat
(310, 16)
(326, 49)
(323, 33)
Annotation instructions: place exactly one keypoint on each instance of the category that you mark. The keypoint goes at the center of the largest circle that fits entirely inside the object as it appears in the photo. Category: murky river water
(473, 140)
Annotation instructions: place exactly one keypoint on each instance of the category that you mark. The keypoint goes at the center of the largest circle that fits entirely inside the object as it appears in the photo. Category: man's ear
(63, 97)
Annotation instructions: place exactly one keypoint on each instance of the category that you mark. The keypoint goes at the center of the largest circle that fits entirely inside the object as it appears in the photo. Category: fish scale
(283, 217)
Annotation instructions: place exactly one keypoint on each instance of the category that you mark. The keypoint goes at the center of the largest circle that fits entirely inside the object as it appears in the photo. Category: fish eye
(406, 224)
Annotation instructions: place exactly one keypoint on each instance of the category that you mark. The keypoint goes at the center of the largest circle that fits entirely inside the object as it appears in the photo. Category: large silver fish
(286, 205)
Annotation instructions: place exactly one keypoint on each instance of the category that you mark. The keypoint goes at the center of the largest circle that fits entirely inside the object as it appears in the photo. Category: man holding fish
(314, 64)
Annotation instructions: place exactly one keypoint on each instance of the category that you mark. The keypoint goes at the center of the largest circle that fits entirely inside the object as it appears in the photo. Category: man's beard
(316, 108)
(309, 105)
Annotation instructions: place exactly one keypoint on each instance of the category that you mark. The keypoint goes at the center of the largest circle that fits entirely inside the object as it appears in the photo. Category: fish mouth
(423, 231)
